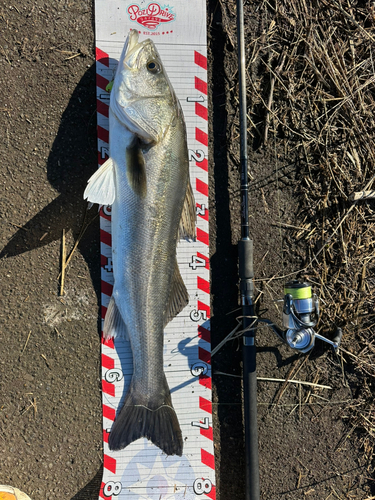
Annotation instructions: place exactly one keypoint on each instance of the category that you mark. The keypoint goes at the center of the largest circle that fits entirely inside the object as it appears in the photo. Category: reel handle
(335, 342)
(338, 336)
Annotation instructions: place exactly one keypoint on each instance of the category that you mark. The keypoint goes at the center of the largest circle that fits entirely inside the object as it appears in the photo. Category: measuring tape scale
(141, 470)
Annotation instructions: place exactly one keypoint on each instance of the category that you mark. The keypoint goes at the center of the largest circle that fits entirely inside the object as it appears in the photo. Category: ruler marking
(187, 338)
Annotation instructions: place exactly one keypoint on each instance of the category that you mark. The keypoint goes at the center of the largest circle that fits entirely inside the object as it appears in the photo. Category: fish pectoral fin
(179, 297)
(101, 185)
(135, 168)
(188, 216)
(114, 325)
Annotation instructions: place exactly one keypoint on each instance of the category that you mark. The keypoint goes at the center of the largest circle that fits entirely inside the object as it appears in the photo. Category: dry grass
(319, 66)
(312, 82)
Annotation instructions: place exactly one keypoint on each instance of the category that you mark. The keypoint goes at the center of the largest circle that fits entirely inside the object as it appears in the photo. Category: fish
(146, 180)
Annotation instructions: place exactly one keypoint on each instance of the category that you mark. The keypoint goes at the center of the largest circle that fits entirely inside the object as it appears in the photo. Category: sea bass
(146, 180)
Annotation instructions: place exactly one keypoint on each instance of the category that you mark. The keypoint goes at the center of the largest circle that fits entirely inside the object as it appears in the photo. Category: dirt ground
(50, 404)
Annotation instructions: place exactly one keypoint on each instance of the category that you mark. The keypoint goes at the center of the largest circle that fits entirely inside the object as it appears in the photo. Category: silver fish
(146, 180)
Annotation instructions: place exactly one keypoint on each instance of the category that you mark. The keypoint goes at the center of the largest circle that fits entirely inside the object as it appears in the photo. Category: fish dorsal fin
(101, 185)
(135, 168)
(178, 298)
(114, 325)
(188, 216)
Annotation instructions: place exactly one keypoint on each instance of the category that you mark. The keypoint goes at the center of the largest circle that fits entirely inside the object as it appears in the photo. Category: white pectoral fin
(188, 216)
(114, 326)
(101, 185)
(179, 297)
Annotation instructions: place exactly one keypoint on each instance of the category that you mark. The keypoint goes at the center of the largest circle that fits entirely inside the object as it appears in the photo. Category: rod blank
(246, 271)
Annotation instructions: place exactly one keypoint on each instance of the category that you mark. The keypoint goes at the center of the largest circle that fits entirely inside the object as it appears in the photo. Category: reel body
(300, 316)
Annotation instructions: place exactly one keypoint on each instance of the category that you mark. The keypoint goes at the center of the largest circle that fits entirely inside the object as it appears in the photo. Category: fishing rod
(246, 274)
(300, 310)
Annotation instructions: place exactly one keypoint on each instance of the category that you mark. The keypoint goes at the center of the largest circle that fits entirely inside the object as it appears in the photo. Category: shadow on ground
(228, 426)
(91, 490)
(72, 160)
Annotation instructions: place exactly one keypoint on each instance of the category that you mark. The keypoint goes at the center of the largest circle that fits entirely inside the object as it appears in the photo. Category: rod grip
(251, 422)
(246, 270)
(245, 256)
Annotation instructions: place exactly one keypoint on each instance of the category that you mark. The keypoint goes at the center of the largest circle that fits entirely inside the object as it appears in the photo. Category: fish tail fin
(154, 419)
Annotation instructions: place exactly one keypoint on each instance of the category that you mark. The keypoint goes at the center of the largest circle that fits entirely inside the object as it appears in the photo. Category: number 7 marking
(205, 425)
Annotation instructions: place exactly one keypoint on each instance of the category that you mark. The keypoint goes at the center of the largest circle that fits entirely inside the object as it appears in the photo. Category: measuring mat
(142, 470)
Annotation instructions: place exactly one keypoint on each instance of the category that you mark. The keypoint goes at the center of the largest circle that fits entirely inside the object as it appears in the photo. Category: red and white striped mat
(142, 471)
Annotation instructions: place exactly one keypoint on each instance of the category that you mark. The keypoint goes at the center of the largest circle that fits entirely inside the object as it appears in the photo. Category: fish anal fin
(114, 326)
(178, 298)
(101, 185)
(188, 216)
(135, 168)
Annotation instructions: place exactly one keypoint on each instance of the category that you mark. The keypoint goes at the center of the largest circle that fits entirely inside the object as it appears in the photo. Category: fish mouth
(130, 45)
(133, 47)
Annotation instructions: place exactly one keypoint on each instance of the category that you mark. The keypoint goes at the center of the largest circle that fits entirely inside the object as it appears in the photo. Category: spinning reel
(300, 316)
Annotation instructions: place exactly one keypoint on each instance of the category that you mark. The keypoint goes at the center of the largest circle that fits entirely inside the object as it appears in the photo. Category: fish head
(142, 97)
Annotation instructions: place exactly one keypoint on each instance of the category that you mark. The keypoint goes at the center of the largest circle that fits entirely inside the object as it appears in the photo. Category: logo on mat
(152, 16)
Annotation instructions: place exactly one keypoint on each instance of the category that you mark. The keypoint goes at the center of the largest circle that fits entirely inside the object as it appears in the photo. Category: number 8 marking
(112, 488)
(201, 486)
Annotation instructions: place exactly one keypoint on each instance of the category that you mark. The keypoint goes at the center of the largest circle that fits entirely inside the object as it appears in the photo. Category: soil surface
(50, 407)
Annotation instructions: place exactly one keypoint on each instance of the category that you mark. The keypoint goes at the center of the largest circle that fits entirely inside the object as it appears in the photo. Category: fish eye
(153, 66)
